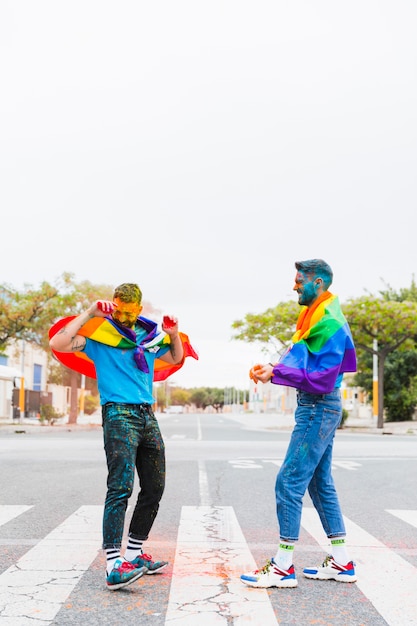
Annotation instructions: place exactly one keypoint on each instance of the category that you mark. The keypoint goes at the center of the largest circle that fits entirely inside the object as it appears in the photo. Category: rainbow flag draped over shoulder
(106, 330)
(322, 348)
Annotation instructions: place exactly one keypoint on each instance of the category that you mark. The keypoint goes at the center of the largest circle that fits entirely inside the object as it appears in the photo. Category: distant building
(25, 363)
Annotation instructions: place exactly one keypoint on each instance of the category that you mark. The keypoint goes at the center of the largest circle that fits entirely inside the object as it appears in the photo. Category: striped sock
(133, 548)
(285, 554)
(339, 552)
(112, 554)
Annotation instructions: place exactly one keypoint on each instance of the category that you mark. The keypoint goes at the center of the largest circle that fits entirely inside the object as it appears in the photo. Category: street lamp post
(375, 379)
(22, 384)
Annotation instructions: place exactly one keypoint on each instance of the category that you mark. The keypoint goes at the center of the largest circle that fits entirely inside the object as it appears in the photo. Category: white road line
(405, 515)
(386, 579)
(348, 465)
(10, 511)
(245, 464)
(34, 589)
(211, 555)
(203, 484)
(250, 463)
(199, 430)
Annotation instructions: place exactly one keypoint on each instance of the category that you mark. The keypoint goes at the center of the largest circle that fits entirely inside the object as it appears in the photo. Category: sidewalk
(251, 421)
(281, 421)
(34, 425)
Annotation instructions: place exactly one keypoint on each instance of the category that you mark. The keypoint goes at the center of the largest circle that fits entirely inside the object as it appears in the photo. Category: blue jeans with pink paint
(132, 440)
(308, 465)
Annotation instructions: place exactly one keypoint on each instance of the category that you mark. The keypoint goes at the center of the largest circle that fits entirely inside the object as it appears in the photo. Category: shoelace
(265, 568)
(327, 560)
(126, 567)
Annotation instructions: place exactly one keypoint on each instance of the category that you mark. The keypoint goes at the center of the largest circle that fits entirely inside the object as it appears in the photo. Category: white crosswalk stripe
(385, 578)
(211, 553)
(9, 512)
(34, 589)
(406, 516)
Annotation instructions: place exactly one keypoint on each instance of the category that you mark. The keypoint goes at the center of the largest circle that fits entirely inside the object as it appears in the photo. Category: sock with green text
(339, 552)
(284, 555)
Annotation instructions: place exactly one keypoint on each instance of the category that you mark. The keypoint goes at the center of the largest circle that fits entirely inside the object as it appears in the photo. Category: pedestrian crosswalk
(211, 553)
(384, 577)
(7, 513)
(43, 578)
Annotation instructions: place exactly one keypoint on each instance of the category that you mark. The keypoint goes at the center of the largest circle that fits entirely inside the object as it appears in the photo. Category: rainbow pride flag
(106, 330)
(322, 348)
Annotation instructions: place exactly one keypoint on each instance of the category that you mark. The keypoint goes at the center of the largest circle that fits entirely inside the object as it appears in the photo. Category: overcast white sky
(200, 148)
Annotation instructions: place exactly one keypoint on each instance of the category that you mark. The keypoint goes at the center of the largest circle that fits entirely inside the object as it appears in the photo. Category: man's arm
(176, 351)
(67, 340)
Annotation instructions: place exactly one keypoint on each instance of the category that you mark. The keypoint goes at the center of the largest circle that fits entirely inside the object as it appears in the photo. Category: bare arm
(67, 340)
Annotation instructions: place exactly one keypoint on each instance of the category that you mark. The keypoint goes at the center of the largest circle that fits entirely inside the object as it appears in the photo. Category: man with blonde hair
(123, 349)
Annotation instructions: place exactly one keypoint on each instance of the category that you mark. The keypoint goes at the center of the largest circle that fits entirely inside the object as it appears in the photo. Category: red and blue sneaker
(330, 570)
(152, 567)
(123, 574)
(271, 576)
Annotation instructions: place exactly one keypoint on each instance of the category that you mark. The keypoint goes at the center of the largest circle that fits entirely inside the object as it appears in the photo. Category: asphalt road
(217, 516)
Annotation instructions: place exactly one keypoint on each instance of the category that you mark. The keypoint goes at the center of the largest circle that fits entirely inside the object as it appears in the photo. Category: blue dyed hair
(317, 268)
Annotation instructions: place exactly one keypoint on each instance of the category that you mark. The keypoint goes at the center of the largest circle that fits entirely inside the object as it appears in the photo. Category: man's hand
(176, 350)
(101, 308)
(170, 325)
(261, 373)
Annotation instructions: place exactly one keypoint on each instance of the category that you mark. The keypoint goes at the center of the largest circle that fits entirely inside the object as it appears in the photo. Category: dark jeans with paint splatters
(132, 439)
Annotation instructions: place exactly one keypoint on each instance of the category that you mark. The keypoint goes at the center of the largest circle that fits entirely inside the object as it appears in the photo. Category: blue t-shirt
(118, 377)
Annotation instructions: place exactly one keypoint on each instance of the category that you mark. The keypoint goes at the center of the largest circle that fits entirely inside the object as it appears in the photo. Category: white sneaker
(330, 570)
(270, 576)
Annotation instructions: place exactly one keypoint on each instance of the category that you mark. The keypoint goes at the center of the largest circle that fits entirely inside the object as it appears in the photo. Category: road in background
(217, 518)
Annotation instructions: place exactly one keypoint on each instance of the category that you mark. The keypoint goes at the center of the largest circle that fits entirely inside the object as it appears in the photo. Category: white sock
(133, 548)
(112, 554)
(284, 555)
(339, 552)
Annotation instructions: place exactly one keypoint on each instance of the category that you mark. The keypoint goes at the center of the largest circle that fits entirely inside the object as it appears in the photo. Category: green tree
(400, 368)
(380, 328)
(401, 385)
(91, 404)
(27, 314)
(215, 398)
(199, 397)
(405, 294)
(159, 392)
(272, 329)
(203, 397)
(180, 396)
